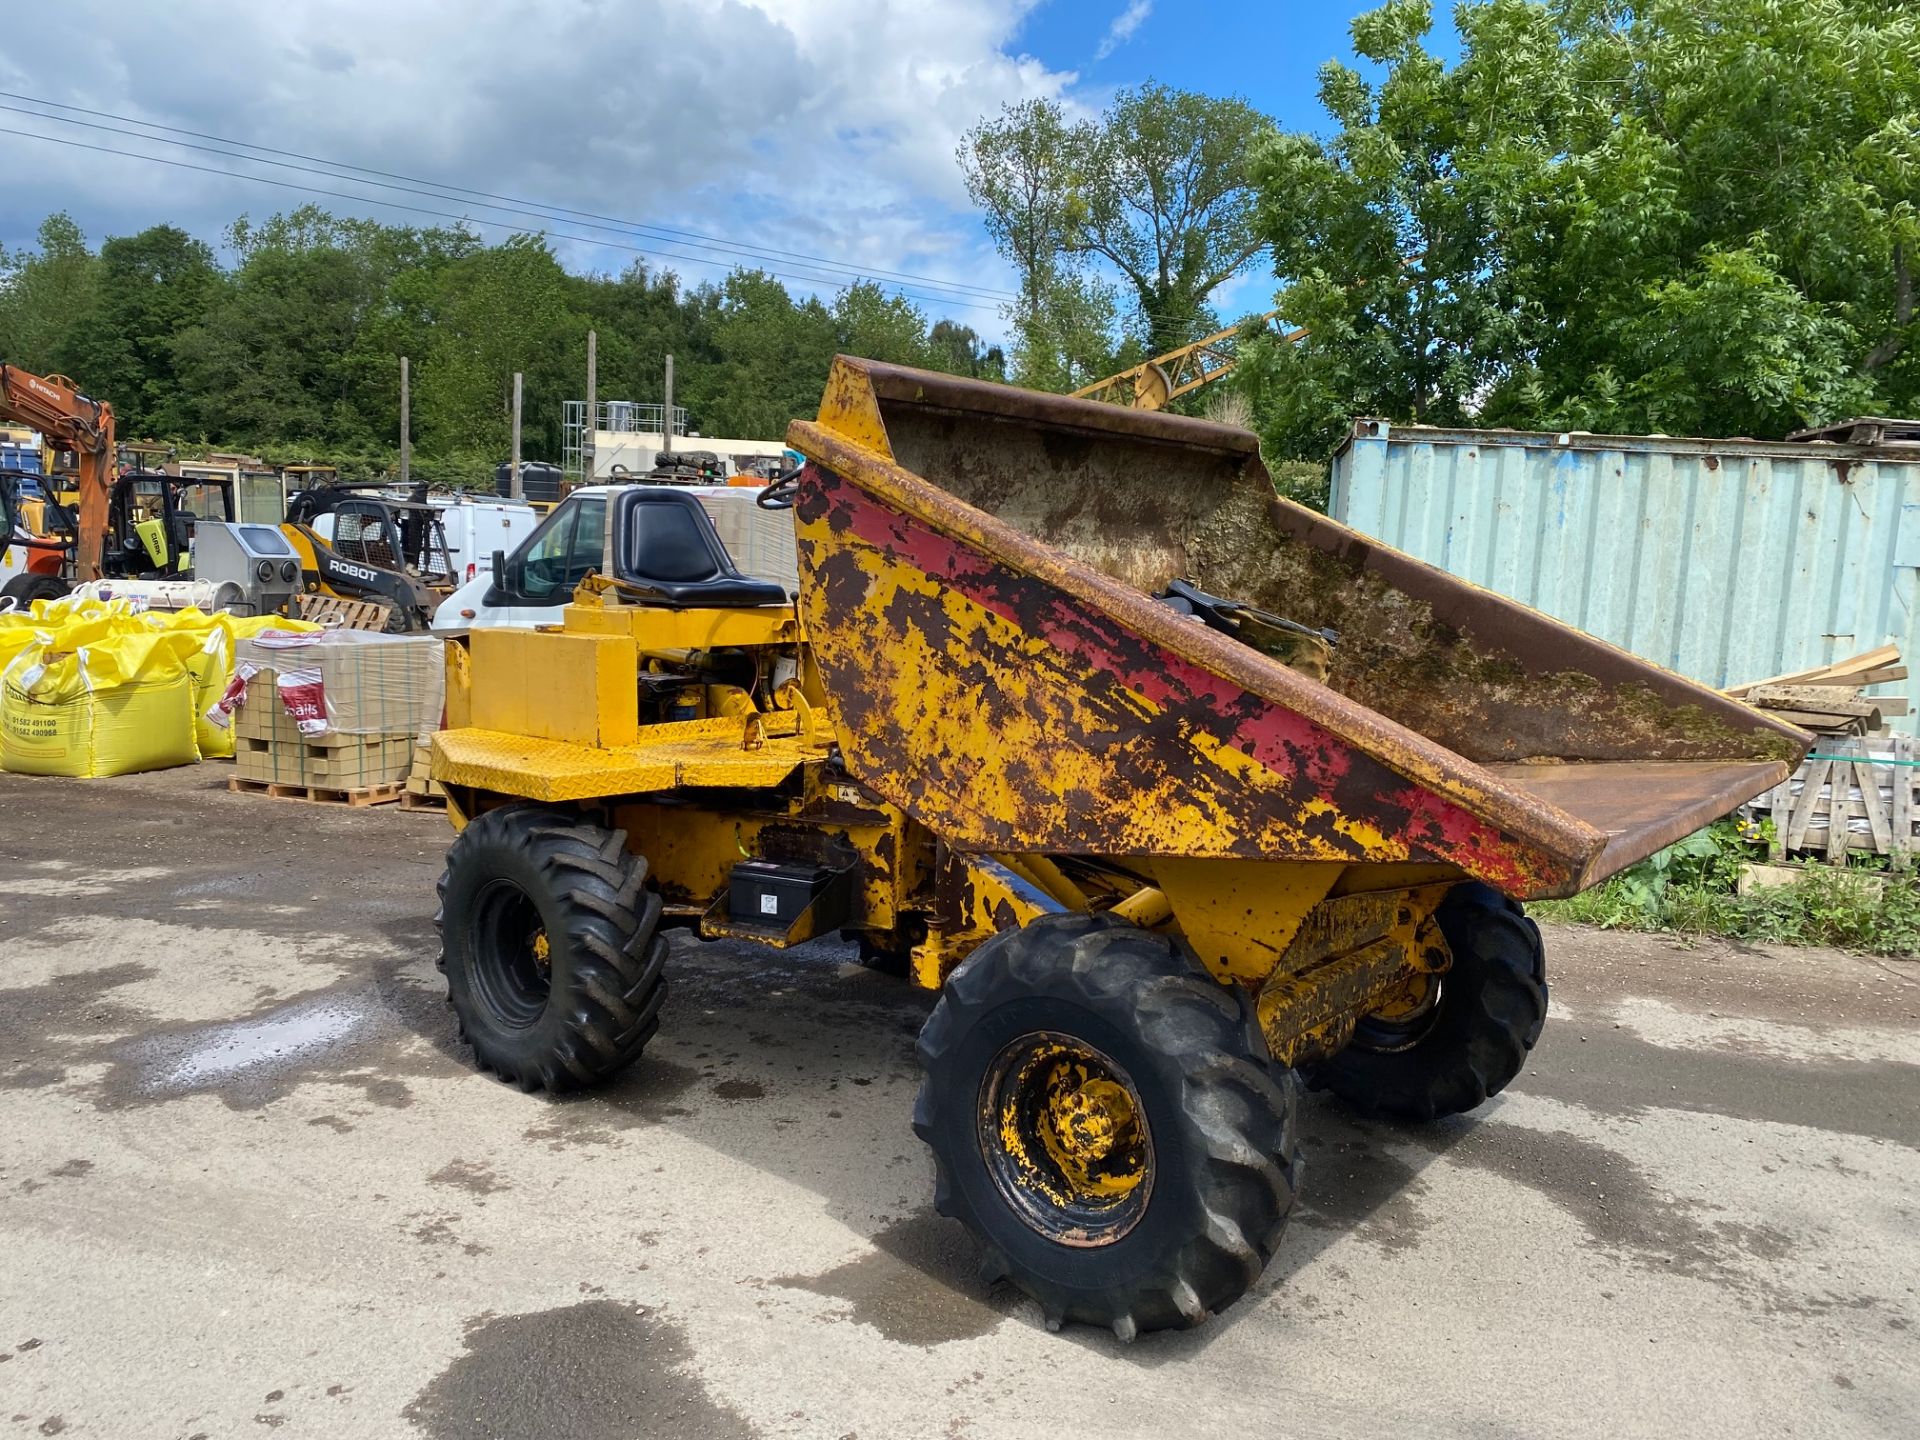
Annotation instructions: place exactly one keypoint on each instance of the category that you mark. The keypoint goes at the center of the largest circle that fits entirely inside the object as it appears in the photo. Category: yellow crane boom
(1151, 384)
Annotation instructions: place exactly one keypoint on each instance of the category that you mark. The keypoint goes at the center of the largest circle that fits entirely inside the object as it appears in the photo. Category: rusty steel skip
(1028, 736)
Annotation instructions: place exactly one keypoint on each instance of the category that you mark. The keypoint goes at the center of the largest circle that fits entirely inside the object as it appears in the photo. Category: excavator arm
(54, 406)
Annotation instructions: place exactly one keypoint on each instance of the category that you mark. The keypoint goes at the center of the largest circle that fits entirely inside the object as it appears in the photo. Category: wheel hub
(1066, 1140)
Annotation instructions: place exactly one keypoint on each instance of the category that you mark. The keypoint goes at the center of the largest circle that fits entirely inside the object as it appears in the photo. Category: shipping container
(1725, 560)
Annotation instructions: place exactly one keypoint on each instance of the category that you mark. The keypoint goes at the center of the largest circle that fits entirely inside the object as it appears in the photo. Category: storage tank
(539, 480)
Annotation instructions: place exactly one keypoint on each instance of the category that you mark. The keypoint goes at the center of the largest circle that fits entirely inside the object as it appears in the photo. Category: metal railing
(621, 417)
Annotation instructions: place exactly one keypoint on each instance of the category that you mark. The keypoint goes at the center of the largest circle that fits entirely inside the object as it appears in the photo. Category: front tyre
(550, 944)
(1472, 1038)
(28, 587)
(1104, 1119)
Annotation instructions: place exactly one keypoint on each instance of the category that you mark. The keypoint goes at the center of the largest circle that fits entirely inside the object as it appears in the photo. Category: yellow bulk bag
(123, 702)
(211, 666)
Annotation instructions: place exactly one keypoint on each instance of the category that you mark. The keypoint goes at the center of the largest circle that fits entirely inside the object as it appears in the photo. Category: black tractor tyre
(549, 941)
(1489, 1012)
(24, 589)
(1214, 1122)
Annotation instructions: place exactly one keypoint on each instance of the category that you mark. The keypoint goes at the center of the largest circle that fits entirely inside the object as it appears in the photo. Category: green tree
(870, 323)
(41, 290)
(1169, 203)
(1682, 215)
(493, 312)
(959, 350)
(1155, 194)
(770, 358)
(302, 343)
(150, 288)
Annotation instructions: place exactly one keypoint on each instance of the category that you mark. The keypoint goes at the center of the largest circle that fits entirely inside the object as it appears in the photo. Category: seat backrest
(672, 548)
(673, 540)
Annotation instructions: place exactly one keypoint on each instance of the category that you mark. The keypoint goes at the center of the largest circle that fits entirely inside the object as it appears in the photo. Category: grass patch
(1689, 889)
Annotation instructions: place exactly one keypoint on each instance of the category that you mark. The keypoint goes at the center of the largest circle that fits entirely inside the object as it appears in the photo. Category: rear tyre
(550, 945)
(23, 590)
(1104, 1119)
(1473, 1040)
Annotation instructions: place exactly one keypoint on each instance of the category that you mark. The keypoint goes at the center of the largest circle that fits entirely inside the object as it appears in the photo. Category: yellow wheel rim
(1066, 1139)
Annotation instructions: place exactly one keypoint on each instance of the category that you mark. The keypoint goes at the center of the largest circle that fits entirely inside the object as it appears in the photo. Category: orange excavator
(68, 420)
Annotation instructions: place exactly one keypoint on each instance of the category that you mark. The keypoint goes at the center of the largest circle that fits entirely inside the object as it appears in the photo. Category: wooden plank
(1839, 811)
(1905, 779)
(1816, 776)
(1826, 723)
(1868, 660)
(1866, 776)
(1780, 807)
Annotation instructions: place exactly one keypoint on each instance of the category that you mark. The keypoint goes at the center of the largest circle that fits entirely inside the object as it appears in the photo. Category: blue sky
(1267, 51)
(817, 128)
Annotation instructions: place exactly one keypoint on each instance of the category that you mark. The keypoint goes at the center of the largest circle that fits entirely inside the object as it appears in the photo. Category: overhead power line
(441, 190)
(947, 300)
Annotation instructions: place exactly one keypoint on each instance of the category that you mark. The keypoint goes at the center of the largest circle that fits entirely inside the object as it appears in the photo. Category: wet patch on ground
(471, 1176)
(918, 1286)
(351, 1034)
(598, 1370)
(1354, 1185)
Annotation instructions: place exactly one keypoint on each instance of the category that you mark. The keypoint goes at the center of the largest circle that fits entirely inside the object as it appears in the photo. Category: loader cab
(398, 535)
(151, 518)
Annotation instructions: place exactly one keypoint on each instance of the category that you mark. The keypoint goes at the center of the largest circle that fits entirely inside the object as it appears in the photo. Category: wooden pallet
(415, 800)
(346, 614)
(1813, 809)
(321, 794)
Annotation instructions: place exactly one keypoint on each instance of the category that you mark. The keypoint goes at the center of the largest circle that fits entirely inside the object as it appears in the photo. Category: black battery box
(767, 895)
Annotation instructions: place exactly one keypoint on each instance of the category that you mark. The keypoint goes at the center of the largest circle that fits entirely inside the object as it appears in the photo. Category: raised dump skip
(1577, 751)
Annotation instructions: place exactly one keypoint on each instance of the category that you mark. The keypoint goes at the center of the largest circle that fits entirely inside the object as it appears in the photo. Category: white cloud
(820, 126)
(1123, 26)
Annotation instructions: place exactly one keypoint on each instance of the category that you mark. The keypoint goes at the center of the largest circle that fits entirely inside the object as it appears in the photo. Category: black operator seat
(673, 549)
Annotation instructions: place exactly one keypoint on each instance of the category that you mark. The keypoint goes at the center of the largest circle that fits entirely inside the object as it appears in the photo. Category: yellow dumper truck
(1177, 792)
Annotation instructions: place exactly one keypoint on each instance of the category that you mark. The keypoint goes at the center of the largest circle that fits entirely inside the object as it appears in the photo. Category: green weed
(1689, 889)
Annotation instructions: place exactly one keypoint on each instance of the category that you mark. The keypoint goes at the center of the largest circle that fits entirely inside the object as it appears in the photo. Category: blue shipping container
(1726, 560)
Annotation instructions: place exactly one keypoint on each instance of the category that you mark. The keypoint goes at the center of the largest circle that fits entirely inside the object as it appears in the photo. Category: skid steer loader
(1175, 791)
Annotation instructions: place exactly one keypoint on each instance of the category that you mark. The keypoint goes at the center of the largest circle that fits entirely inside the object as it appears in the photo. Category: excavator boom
(53, 405)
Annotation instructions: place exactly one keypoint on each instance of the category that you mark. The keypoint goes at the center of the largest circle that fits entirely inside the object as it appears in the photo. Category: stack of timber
(1828, 700)
(1856, 794)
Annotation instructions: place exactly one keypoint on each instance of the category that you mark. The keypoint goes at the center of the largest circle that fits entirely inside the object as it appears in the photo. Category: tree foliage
(291, 350)
(1678, 215)
(1151, 201)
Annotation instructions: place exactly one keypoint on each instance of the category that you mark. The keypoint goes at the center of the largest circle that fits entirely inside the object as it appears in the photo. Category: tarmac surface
(249, 1184)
